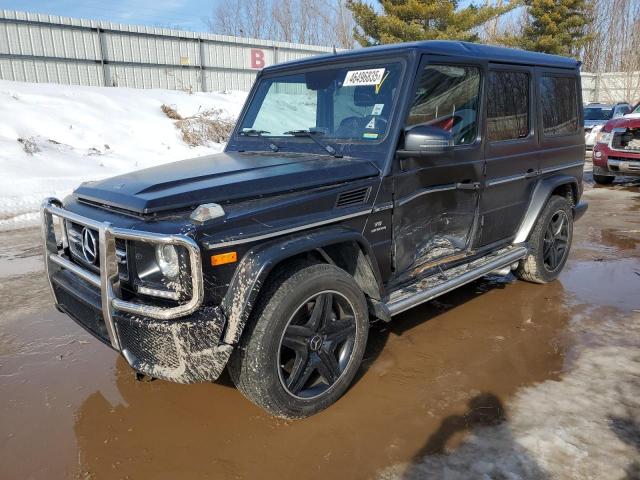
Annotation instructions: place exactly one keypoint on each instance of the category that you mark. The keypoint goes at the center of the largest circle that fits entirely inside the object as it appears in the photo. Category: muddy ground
(501, 378)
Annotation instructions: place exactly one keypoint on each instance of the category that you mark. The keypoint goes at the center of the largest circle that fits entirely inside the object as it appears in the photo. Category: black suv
(354, 187)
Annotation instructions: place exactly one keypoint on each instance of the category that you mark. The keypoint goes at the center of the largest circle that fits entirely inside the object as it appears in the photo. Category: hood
(593, 123)
(221, 178)
(628, 121)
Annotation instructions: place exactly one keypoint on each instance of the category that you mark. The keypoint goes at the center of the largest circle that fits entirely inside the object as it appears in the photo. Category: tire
(545, 261)
(269, 368)
(603, 179)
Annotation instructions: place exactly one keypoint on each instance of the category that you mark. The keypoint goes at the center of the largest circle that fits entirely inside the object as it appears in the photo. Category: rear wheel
(304, 342)
(549, 243)
(603, 179)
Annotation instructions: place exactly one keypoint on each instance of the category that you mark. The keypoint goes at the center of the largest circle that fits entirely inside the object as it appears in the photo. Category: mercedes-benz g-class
(355, 186)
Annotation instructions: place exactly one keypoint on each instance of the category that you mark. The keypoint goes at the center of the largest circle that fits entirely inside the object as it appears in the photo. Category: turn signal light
(223, 258)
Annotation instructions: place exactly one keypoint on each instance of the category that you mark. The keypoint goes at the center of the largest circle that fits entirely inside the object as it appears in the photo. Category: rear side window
(507, 106)
(558, 96)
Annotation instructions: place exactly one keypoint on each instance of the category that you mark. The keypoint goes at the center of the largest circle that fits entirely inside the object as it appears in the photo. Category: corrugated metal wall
(48, 48)
(611, 87)
(53, 49)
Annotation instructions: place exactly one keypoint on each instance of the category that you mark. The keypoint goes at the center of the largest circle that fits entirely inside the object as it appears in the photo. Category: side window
(507, 105)
(447, 97)
(620, 111)
(558, 97)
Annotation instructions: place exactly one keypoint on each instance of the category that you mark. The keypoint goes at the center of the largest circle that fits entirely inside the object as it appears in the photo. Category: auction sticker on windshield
(363, 77)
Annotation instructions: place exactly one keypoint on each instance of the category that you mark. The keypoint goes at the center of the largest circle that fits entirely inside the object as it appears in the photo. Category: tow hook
(143, 377)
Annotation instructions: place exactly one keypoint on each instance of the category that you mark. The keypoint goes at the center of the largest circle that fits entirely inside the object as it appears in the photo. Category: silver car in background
(597, 114)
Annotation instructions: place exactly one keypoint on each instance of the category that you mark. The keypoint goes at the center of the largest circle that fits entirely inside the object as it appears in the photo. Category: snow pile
(53, 137)
(282, 112)
(587, 425)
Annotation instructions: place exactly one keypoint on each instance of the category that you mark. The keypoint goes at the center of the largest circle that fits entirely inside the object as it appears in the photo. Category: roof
(453, 49)
(606, 105)
(599, 105)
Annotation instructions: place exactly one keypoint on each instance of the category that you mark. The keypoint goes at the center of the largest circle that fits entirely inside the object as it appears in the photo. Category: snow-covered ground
(78, 133)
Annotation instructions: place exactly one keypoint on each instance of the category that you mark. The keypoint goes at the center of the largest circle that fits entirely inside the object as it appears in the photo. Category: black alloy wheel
(549, 242)
(555, 243)
(317, 345)
(304, 341)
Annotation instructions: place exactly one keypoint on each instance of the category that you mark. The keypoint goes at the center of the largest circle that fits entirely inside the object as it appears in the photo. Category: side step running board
(436, 285)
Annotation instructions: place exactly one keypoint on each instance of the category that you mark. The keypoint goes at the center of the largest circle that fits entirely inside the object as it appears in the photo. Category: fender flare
(260, 260)
(539, 198)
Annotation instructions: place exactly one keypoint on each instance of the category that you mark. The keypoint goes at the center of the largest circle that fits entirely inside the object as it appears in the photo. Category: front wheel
(603, 179)
(304, 342)
(549, 243)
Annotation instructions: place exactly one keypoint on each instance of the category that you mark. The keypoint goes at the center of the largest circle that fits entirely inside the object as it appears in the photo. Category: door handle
(531, 173)
(468, 185)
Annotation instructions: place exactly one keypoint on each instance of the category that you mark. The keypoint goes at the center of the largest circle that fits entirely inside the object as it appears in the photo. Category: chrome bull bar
(108, 281)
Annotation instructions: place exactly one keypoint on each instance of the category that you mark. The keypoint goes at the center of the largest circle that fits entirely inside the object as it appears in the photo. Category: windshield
(598, 113)
(342, 103)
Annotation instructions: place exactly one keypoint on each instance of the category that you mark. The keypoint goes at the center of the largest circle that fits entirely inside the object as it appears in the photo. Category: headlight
(159, 269)
(168, 261)
(603, 137)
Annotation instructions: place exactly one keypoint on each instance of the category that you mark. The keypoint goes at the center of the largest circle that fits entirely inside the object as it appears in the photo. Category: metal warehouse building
(48, 48)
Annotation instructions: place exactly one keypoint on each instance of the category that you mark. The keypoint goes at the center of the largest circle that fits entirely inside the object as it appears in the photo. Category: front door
(436, 197)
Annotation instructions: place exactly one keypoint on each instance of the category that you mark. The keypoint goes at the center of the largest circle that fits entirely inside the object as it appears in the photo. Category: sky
(184, 14)
(181, 14)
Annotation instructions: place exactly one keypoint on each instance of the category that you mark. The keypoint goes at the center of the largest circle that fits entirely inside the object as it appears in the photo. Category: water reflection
(427, 366)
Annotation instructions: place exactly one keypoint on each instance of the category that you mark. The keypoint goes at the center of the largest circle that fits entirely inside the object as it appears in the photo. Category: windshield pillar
(324, 114)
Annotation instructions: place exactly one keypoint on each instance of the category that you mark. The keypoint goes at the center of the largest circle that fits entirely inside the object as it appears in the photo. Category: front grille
(629, 140)
(75, 233)
(148, 344)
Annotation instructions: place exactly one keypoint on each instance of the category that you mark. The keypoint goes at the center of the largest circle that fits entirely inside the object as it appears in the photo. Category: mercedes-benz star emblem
(89, 246)
(315, 343)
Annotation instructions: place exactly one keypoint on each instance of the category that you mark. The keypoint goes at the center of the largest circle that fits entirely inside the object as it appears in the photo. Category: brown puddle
(71, 408)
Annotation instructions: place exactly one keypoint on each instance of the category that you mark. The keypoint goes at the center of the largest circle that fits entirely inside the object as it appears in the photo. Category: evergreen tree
(556, 26)
(409, 20)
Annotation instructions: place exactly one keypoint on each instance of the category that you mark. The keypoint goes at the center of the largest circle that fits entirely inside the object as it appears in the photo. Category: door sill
(433, 286)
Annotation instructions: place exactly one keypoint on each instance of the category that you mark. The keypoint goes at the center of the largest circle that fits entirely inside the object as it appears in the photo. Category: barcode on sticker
(363, 77)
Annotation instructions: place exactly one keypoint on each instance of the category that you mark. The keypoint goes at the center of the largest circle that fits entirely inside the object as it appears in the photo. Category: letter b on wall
(257, 58)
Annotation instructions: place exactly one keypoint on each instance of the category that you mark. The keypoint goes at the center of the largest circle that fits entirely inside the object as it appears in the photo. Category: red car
(617, 150)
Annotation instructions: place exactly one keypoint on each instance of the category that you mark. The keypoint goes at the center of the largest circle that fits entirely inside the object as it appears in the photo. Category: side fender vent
(353, 197)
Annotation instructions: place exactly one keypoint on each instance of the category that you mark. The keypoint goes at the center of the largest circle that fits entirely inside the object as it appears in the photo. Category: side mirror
(423, 140)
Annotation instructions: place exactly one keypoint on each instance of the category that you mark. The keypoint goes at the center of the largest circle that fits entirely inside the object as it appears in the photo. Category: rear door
(560, 116)
(436, 197)
(510, 151)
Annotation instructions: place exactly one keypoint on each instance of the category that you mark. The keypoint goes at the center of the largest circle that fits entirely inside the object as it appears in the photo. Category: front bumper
(624, 166)
(611, 161)
(179, 343)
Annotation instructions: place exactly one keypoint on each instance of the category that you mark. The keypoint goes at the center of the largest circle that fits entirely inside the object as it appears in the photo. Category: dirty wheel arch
(257, 267)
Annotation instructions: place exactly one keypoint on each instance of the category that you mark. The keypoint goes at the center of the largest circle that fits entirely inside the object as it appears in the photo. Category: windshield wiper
(312, 135)
(250, 132)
